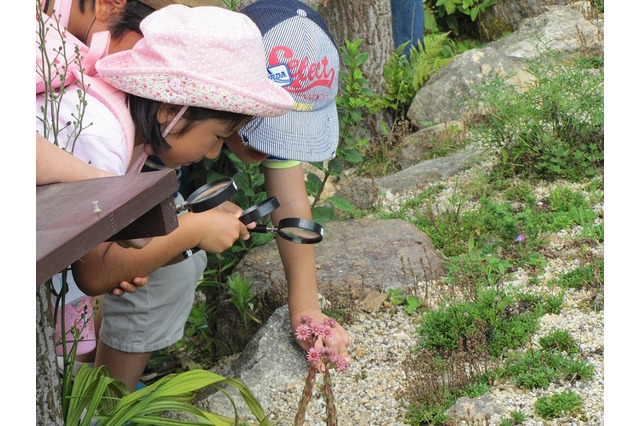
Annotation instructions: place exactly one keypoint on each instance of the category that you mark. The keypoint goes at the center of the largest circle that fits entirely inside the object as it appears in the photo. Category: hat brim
(263, 98)
(309, 136)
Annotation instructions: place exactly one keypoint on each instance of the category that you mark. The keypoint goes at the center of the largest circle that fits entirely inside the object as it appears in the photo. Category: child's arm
(53, 165)
(299, 259)
(100, 270)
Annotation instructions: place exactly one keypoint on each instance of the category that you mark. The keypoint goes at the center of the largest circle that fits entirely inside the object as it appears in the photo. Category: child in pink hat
(195, 78)
(194, 65)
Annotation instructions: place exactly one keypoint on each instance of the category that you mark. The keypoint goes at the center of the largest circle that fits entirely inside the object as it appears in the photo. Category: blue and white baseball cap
(302, 57)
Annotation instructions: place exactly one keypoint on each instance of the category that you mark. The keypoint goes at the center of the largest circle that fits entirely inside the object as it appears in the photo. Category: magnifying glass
(294, 229)
(297, 230)
(209, 195)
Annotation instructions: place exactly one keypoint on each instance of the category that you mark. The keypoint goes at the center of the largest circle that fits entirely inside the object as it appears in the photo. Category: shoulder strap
(85, 72)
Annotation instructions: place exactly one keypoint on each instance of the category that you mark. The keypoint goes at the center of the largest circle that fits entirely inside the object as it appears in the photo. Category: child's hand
(219, 230)
(129, 287)
(338, 342)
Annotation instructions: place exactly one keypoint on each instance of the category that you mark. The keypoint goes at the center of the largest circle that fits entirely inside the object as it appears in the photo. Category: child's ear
(164, 114)
(106, 9)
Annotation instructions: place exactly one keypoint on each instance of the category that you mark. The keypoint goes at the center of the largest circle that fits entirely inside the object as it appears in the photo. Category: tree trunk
(369, 20)
(48, 397)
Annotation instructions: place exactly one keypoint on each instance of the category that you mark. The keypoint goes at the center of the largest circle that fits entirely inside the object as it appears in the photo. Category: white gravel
(370, 392)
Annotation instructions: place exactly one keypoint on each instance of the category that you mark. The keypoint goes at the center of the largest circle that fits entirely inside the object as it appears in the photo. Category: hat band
(173, 122)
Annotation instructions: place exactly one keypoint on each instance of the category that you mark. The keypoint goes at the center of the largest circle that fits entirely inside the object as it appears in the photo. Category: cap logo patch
(280, 75)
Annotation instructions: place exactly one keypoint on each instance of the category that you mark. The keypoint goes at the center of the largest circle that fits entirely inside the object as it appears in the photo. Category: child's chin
(256, 156)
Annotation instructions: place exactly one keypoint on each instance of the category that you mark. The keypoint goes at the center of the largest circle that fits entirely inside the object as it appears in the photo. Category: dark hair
(144, 112)
(128, 20)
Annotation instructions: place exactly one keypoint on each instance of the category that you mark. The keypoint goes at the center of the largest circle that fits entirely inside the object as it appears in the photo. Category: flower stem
(306, 396)
(329, 399)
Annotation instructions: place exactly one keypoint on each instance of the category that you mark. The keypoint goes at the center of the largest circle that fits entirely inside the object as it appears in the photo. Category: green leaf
(341, 203)
(323, 214)
(313, 183)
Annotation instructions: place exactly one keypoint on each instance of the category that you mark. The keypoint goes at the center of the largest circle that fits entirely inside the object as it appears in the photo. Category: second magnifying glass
(297, 230)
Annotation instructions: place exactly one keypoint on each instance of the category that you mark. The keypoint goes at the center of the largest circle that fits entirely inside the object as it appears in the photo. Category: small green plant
(536, 369)
(240, 289)
(590, 276)
(398, 298)
(516, 418)
(403, 76)
(558, 404)
(195, 349)
(559, 341)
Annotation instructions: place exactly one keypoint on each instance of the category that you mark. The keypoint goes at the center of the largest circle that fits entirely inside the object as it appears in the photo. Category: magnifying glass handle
(190, 252)
(262, 228)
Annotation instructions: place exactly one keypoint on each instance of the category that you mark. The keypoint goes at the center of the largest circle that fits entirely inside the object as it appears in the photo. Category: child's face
(203, 140)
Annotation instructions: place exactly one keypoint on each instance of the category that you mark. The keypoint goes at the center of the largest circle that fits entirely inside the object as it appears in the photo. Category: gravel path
(370, 392)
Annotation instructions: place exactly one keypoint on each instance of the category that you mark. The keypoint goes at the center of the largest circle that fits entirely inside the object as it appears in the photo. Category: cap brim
(309, 136)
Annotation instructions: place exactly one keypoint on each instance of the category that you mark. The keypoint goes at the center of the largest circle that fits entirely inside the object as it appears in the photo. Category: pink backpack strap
(99, 47)
(115, 101)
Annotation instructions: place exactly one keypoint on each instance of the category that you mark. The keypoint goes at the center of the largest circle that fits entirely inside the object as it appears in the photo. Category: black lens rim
(297, 222)
(259, 210)
(213, 200)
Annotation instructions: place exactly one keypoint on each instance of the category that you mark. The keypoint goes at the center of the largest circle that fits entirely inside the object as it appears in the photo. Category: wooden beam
(74, 217)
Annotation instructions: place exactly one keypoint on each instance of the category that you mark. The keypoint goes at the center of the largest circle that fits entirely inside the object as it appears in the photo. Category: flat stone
(355, 257)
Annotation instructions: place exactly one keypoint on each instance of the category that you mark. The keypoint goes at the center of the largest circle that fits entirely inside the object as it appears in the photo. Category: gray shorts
(154, 316)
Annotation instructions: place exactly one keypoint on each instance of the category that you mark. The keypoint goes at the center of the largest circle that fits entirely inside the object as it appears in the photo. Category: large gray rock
(506, 15)
(271, 360)
(446, 95)
(561, 29)
(364, 193)
(354, 257)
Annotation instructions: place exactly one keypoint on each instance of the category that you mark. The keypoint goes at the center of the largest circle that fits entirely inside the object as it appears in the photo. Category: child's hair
(144, 111)
(128, 20)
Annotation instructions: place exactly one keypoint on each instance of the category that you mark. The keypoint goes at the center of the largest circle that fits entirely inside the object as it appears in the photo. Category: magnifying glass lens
(211, 192)
(304, 234)
(301, 231)
(211, 195)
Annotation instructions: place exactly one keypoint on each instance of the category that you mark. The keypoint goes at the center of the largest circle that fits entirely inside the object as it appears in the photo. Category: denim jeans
(407, 18)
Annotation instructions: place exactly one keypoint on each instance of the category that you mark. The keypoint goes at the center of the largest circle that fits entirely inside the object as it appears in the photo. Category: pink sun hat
(207, 57)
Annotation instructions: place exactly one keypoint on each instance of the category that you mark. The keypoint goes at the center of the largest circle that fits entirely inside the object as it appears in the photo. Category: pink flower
(316, 329)
(326, 332)
(519, 238)
(330, 322)
(303, 332)
(341, 365)
(313, 355)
